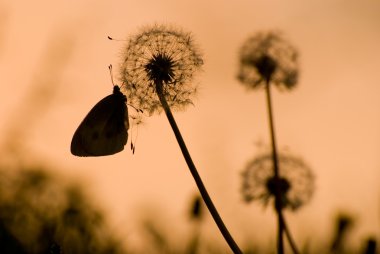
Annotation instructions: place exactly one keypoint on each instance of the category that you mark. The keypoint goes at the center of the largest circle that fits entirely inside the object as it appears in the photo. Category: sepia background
(54, 57)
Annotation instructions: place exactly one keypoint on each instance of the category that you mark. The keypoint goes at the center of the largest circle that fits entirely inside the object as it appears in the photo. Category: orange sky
(332, 119)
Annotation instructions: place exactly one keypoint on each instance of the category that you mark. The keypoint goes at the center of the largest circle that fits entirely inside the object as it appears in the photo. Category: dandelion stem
(292, 243)
(282, 225)
(278, 205)
(202, 189)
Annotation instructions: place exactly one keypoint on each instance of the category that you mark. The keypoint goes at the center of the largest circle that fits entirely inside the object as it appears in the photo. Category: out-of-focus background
(54, 57)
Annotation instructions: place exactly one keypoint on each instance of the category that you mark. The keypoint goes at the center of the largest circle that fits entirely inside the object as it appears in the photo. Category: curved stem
(202, 189)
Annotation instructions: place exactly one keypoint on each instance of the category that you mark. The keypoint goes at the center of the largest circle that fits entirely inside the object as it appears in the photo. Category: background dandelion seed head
(160, 54)
(268, 56)
(296, 178)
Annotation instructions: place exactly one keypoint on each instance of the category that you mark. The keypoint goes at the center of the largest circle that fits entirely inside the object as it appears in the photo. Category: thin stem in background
(278, 205)
(288, 235)
(202, 189)
(282, 225)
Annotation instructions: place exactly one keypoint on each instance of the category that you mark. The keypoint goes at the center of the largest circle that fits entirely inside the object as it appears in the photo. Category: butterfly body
(104, 131)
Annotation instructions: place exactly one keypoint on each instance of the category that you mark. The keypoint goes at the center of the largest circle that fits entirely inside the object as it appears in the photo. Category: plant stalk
(282, 225)
(202, 189)
(288, 235)
(278, 203)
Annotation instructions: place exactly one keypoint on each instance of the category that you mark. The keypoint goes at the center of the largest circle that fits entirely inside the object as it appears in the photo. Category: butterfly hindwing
(104, 131)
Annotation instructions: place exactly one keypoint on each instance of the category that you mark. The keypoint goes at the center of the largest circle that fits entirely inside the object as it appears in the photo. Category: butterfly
(104, 131)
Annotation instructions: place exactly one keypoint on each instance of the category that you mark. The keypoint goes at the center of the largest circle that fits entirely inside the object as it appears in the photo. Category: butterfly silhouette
(104, 131)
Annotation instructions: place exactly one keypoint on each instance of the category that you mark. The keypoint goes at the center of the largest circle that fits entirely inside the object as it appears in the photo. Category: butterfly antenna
(111, 74)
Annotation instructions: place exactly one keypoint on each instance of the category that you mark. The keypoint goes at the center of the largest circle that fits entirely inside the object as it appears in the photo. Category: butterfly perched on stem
(104, 131)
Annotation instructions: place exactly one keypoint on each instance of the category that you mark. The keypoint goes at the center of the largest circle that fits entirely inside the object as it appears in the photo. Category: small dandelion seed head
(295, 181)
(160, 56)
(268, 57)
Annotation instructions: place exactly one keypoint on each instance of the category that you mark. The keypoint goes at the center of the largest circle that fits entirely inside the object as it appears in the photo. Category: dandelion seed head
(265, 57)
(295, 182)
(160, 55)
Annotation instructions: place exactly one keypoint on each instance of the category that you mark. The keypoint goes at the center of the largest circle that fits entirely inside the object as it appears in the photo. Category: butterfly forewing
(104, 131)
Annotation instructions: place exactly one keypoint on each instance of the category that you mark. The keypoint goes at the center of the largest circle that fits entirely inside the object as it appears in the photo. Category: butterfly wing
(104, 131)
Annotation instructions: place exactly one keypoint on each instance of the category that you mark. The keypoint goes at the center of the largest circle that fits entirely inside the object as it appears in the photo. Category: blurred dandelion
(296, 181)
(267, 56)
(164, 56)
(265, 59)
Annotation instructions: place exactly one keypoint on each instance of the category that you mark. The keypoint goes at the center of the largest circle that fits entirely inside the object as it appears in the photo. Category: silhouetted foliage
(196, 209)
(40, 214)
(370, 247)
